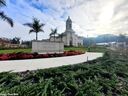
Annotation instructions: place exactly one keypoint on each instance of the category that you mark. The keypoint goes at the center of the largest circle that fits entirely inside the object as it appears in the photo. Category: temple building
(69, 37)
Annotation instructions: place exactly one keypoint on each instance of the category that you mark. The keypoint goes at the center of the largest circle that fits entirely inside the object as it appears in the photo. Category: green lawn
(96, 49)
(83, 49)
(15, 50)
(90, 48)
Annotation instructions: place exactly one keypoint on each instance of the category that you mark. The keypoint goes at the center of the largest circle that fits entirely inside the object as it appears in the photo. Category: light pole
(88, 48)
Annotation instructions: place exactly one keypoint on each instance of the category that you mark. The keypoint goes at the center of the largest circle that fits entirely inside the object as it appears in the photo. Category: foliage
(96, 49)
(15, 40)
(28, 43)
(3, 16)
(35, 26)
(83, 49)
(106, 76)
(12, 50)
(61, 36)
(53, 33)
(22, 55)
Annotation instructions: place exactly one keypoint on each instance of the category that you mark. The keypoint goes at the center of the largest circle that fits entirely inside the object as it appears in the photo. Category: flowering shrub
(4, 57)
(21, 55)
(70, 53)
(45, 56)
(12, 56)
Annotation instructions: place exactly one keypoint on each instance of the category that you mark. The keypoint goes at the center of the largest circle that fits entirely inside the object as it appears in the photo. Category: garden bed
(22, 55)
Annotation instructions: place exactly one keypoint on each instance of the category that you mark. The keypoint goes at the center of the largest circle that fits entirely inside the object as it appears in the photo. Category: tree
(61, 36)
(3, 16)
(35, 26)
(53, 33)
(28, 43)
(16, 40)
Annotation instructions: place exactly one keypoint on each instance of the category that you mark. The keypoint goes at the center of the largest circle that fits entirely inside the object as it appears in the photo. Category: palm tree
(53, 33)
(35, 26)
(61, 36)
(2, 2)
(3, 16)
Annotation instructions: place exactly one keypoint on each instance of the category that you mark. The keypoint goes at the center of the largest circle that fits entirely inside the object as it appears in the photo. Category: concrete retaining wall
(47, 47)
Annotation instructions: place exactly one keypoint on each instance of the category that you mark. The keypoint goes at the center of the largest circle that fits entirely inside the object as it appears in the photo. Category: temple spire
(69, 24)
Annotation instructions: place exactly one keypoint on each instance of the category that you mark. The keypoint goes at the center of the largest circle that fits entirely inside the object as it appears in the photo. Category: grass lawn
(15, 50)
(83, 49)
(90, 49)
(96, 49)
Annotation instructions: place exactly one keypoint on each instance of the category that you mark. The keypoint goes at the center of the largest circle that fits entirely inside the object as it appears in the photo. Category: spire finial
(69, 19)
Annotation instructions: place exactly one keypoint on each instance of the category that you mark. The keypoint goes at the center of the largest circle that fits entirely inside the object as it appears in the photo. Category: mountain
(106, 38)
(101, 39)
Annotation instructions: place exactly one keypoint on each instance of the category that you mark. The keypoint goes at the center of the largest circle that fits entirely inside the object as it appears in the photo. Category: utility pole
(88, 44)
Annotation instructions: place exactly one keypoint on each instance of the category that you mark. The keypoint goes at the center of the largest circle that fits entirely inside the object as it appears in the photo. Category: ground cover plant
(106, 76)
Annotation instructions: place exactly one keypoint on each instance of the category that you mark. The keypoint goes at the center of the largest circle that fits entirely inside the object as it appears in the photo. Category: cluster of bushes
(21, 55)
(106, 76)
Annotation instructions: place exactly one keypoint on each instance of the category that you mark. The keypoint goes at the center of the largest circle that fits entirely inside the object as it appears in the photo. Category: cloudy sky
(90, 17)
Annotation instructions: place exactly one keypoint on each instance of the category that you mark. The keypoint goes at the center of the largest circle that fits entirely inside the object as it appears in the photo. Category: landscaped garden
(23, 55)
(16, 54)
(96, 48)
(106, 76)
(82, 49)
(13, 50)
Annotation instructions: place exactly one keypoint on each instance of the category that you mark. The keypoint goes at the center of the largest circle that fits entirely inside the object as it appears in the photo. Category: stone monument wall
(47, 47)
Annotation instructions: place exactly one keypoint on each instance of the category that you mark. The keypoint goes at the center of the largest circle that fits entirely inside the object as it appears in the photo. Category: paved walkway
(34, 64)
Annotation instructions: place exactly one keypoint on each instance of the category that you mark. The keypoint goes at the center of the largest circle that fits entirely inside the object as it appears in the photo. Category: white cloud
(90, 17)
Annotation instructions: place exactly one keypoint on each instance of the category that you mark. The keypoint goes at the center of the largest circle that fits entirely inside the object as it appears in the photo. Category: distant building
(102, 44)
(119, 45)
(6, 43)
(69, 37)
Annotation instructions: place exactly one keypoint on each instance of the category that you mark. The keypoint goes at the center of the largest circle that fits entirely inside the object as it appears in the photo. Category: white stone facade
(69, 38)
